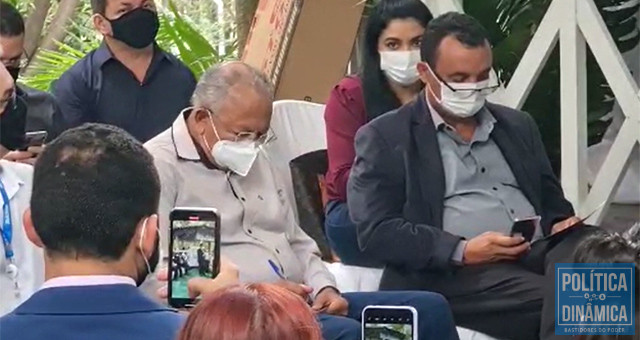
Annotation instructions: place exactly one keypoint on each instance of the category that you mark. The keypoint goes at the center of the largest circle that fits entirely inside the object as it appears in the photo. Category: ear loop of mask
(214, 131)
(144, 231)
(439, 100)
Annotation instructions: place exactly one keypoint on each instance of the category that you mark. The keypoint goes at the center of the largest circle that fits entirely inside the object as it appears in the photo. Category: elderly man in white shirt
(212, 157)
(21, 265)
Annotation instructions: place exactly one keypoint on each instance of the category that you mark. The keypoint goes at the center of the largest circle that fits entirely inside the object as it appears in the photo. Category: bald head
(228, 81)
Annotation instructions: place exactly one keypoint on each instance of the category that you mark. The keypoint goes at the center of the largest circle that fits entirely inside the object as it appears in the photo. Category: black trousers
(511, 300)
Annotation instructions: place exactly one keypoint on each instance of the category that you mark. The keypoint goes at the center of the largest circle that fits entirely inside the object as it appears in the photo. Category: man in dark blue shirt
(128, 81)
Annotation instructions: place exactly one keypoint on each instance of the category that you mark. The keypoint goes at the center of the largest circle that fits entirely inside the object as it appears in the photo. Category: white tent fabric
(300, 129)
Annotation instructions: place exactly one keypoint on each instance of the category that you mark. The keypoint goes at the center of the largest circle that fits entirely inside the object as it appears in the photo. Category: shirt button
(483, 170)
(495, 189)
(242, 199)
(250, 231)
(512, 211)
(277, 251)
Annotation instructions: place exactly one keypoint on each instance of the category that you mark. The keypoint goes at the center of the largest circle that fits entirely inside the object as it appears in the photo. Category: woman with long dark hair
(388, 79)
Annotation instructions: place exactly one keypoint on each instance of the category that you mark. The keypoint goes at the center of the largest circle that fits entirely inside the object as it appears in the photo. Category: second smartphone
(194, 250)
(389, 322)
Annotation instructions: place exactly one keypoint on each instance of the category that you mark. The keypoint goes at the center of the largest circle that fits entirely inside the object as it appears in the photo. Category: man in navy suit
(93, 210)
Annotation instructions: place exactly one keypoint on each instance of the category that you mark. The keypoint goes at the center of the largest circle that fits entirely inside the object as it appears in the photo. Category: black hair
(463, 27)
(606, 247)
(11, 22)
(99, 6)
(378, 96)
(91, 187)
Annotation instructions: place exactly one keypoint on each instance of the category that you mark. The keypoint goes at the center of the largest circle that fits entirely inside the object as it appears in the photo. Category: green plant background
(512, 23)
(179, 34)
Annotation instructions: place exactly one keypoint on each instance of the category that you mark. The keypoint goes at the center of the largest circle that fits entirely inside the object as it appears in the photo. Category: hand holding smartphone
(194, 250)
(389, 322)
(526, 227)
(34, 138)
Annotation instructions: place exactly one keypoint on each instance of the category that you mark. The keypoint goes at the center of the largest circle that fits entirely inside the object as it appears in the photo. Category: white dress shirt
(87, 280)
(17, 179)
(258, 224)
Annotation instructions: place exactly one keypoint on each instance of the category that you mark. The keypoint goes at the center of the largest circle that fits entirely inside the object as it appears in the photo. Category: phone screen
(526, 227)
(34, 138)
(389, 323)
(194, 252)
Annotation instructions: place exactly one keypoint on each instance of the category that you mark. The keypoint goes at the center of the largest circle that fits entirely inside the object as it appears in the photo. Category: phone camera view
(193, 254)
(380, 328)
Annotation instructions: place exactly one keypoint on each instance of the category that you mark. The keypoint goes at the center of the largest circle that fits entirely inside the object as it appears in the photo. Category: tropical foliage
(511, 25)
(178, 34)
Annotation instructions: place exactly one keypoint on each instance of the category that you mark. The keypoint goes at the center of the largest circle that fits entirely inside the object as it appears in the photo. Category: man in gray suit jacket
(437, 185)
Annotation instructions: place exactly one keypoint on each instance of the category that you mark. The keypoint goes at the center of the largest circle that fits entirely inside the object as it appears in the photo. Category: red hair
(255, 311)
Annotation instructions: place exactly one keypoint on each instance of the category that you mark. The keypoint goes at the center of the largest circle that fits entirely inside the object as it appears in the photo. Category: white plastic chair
(299, 127)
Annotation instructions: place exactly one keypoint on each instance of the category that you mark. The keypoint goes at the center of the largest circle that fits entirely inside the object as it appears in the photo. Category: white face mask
(236, 156)
(400, 66)
(460, 103)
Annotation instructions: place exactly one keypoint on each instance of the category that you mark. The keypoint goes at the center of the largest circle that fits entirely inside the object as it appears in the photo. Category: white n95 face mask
(400, 66)
(237, 156)
(461, 103)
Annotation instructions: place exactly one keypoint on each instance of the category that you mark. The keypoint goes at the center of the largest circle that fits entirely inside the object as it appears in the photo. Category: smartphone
(34, 138)
(389, 322)
(194, 250)
(526, 227)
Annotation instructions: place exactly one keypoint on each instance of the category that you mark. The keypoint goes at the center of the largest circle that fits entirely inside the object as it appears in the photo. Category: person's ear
(147, 233)
(423, 72)
(201, 117)
(102, 25)
(30, 230)
(428, 77)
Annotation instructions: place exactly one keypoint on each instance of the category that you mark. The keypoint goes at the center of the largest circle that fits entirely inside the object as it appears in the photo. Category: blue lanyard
(7, 226)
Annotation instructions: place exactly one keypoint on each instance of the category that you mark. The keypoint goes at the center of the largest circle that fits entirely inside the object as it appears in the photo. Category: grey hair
(214, 85)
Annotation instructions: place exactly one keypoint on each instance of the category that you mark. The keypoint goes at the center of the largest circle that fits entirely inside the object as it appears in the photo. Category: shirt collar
(10, 179)
(182, 141)
(87, 280)
(435, 116)
(485, 119)
(103, 54)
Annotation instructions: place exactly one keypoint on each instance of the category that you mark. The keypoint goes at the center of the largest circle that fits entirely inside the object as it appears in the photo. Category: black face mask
(137, 28)
(12, 124)
(14, 72)
(153, 263)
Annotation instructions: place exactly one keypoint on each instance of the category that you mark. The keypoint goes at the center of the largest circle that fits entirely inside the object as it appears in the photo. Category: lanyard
(7, 227)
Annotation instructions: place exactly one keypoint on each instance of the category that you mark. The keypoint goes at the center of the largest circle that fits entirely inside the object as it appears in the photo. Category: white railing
(574, 24)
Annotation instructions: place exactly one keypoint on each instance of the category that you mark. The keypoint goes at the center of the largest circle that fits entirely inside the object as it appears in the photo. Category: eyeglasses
(467, 93)
(259, 139)
(256, 137)
(17, 62)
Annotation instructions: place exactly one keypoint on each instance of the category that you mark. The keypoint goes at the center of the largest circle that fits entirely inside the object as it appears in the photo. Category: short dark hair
(91, 187)
(463, 27)
(99, 6)
(605, 247)
(378, 96)
(11, 22)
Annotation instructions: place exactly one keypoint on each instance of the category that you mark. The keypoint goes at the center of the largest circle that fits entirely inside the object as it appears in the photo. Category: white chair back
(300, 129)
